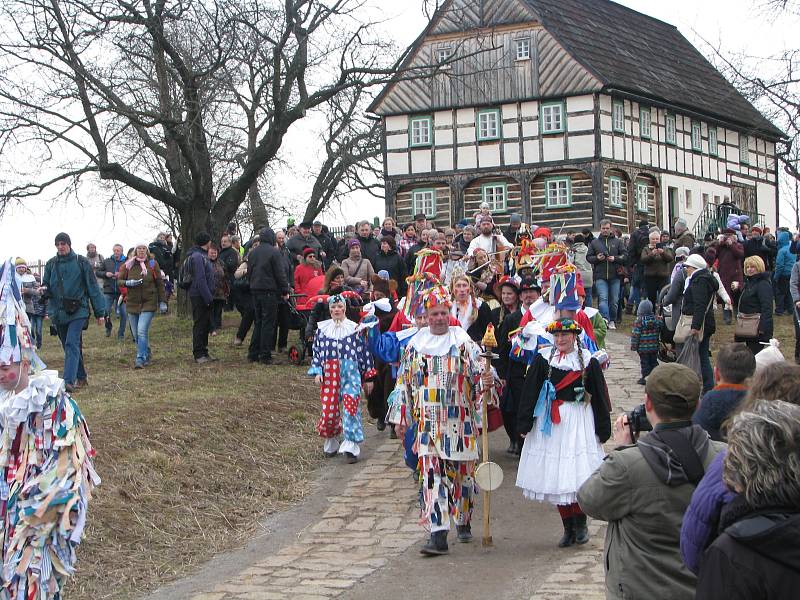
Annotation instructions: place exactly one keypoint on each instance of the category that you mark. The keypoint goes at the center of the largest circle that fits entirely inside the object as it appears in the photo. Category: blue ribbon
(543, 407)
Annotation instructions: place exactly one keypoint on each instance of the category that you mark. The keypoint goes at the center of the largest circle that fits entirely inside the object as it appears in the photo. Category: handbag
(70, 305)
(746, 324)
(683, 330)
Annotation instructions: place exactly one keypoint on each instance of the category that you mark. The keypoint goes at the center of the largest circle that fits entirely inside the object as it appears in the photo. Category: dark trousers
(281, 332)
(796, 319)
(653, 285)
(244, 304)
(71, 336)
(783, 297)
(266, 312)
(705, 364)
(509, 405)
(201, 325)
(216, 313)
(648, 361)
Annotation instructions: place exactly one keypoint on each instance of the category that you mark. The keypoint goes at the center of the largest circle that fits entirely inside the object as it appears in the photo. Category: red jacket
(303, 273)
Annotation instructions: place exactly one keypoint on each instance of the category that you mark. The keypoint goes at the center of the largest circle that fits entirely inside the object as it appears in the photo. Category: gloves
(132, 283)
(162, 308)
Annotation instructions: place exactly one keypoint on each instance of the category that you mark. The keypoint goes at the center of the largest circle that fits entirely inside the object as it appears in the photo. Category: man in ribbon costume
(564, 417)
(438, 391)
(46, 461)
(340, 365)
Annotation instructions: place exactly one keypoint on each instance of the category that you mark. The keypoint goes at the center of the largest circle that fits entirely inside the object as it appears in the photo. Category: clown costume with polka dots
(341, 364)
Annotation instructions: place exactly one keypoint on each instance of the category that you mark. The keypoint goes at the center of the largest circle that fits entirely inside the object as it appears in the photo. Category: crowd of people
(399, 316)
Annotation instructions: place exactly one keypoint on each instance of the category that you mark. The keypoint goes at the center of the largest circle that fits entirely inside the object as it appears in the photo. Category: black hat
(202, 238)
(305, 225)
(63, 237)
(420, 217)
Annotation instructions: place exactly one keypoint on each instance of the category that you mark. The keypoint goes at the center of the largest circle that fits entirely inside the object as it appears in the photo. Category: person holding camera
(657, 259)
(564, 417)
(71, 285)
(643, 488)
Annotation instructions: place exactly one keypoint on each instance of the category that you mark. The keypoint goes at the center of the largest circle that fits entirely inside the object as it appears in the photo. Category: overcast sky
(736, 25)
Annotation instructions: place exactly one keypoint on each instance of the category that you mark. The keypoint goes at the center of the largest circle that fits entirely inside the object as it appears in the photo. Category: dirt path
(357, 536)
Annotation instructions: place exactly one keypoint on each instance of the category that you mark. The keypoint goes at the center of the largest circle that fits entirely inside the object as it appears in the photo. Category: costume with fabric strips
(437, 391)
(564, 415)
(46, 461)
(343, 361)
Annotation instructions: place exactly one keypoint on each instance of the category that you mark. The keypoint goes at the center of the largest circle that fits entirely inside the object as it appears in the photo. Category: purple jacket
(700, 522)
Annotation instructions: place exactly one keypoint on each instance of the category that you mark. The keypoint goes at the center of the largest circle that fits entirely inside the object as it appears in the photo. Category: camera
(637, 421)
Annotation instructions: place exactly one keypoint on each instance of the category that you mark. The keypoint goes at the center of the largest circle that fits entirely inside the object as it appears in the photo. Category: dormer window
(442, 55)
(523, 49)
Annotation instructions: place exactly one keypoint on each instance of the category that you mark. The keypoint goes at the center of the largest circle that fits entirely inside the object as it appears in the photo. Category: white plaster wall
(579, 103)
(581, 146)
(530, 150)
(511, 153)
(489, 155)
(420, 161)
(698, 188)
(553, 149)
(444, 160)
(395, 142)
(397, 122)
(397, 164)
(766, 195)
(467, 158)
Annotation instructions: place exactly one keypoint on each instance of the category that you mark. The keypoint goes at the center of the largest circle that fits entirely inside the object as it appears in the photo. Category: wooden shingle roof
(638, 54)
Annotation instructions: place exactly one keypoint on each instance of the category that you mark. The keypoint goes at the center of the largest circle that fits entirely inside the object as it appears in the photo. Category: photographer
(643, 489)
(658, 261)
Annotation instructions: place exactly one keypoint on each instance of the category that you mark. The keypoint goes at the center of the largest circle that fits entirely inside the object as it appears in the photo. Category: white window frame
(422, 140)
(688, 200)
(697, 136)
(671, 136)
(618, 116)
(641, 197)
(495, 195)
(562, 197)
(482, 119)
(441, 55)
(550, 113)
(713, 141)
(645, 132)
(744, 149)
(424, 201)
(522, 49)
(615, 191)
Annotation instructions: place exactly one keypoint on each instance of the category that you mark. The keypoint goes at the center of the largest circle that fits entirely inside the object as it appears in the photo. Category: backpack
(185, 275)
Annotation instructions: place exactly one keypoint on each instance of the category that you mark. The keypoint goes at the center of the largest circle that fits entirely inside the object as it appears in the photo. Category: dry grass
(191, 457)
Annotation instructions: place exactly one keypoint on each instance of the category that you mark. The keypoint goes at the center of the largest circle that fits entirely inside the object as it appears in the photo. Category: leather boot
(581, 530)
(437, 544)
(464, 533)
(727, 316)
(569, 532)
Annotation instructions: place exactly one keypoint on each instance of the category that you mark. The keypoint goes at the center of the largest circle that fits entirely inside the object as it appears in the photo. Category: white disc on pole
(489, 476)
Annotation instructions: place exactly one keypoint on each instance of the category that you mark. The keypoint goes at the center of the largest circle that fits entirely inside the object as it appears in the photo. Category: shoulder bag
(684, 327)
(746, 324)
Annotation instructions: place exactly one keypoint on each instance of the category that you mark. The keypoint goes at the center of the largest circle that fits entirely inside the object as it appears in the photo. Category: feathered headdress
(427, 271)
(15, 337)
(438, 295)
(567, 325)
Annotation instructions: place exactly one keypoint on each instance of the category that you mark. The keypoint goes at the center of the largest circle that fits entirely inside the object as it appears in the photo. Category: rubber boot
(569, 532)
(581, 530)
(437, 544)
(464, 533)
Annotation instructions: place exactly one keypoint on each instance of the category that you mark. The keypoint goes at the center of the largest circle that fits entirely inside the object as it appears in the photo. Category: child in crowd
(644, 338)
(735, 364)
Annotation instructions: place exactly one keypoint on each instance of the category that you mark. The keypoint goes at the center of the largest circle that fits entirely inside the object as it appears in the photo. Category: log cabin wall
(487, 188)
(442, 214)
(574, 217)
(616, 184)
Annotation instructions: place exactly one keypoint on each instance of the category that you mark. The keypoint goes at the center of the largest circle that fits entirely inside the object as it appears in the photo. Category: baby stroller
(666, 343)
(300, 307)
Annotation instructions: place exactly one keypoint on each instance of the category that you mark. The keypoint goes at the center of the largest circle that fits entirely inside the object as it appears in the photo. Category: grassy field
(191, 457)
(784, 332)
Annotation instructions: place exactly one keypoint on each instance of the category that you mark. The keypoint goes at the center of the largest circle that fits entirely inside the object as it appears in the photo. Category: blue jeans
(113, 308)
(140, 327)
(607, 297)
(588, 301)
(70, 336)
(36, 329)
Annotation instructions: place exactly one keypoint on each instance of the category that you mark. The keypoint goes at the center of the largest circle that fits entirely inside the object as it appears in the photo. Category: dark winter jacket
(163, 256)
(756, 557)
(761, 247)
(328, 246)
(411, 256)
(369, 248)
(266, 267)
(77, 281)
(288, 264)
(608, 246)
(657, 264)
(507, 368)
(145, 297)
(757, 298)
(229, 259)
(785, 260)
(202, 275)
(110, 265)
(716, 406)
(701, 519)
(394, 264)
(639, 239)
(697, 301)
(296, 243)
(729, 267)
(643, 491)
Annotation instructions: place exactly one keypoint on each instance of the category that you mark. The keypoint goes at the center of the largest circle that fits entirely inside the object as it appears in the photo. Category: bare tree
(181, 102)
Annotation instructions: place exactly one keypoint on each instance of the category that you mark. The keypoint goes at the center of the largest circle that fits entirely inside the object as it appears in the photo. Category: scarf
(142, 264)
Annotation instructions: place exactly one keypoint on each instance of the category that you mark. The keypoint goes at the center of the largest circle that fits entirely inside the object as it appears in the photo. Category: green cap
(290, 221)
(670, 382)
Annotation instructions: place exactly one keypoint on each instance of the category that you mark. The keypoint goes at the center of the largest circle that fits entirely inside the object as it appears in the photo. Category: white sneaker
(611, 325)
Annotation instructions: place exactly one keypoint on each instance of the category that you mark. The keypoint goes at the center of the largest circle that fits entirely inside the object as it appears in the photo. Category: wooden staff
(489, 342)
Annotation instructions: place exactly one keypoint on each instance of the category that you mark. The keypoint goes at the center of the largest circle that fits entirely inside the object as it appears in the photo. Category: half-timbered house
(568, 111)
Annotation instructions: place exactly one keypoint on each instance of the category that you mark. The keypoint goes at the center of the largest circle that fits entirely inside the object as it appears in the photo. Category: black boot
(581, 530)
(437, 544)
(512, 447)
(727, 316)
(380, 424)
(464, 533)
(569, 532)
